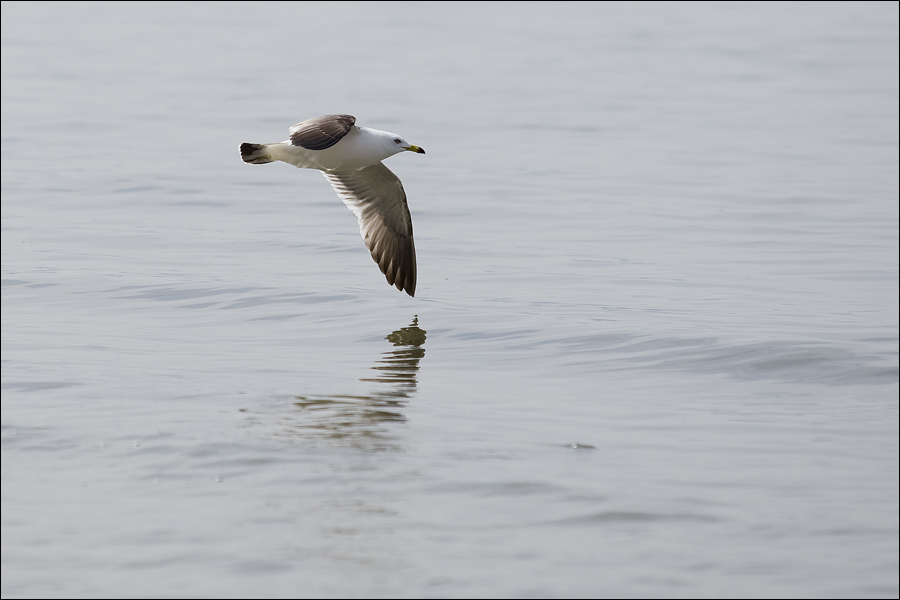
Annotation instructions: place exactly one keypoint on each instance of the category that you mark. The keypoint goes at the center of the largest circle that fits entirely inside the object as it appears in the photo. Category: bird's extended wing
(376, 197)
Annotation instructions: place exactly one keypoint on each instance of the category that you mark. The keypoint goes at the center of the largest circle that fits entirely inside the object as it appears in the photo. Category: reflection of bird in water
(360, 420)
(399, 366)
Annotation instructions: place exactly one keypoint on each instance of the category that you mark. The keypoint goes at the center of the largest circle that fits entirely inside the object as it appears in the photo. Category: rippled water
(653, 351)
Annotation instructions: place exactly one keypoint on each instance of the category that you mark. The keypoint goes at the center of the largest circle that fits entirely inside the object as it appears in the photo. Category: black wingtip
(409, 288)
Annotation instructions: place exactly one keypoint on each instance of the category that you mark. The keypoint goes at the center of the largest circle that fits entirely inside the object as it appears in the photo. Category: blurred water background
(653, 350)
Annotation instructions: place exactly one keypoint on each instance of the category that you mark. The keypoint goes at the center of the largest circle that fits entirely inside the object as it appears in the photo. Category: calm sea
(653, 349)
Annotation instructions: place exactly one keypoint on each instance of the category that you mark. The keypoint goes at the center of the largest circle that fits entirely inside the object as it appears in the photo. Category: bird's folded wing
(322, 132)
(376, 197)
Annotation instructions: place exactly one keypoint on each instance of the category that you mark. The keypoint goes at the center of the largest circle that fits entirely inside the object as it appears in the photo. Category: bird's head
(402, 144)
(399, 144)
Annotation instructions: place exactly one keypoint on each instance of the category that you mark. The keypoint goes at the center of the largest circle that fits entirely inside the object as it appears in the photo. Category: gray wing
(321, 132)
(376, 197)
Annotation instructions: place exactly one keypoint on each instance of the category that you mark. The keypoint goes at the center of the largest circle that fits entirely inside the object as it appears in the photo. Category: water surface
(653, 351)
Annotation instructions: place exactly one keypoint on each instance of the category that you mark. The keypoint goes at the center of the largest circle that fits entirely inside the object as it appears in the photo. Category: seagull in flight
(350, 159)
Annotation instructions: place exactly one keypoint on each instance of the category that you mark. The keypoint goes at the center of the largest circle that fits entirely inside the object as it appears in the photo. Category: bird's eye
(397, 141)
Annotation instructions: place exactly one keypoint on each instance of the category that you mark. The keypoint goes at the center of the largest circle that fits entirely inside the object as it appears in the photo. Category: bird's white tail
(256, 154)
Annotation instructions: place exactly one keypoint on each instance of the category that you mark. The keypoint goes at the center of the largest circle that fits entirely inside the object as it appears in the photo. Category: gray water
(654, 344)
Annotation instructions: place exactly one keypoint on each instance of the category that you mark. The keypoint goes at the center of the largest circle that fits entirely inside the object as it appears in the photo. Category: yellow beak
(415, 149)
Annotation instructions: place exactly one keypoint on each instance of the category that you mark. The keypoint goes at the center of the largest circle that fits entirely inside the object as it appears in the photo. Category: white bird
(350, 158)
